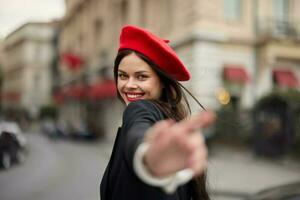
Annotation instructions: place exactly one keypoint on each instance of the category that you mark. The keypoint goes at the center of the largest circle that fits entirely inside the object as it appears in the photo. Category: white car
(12, 144)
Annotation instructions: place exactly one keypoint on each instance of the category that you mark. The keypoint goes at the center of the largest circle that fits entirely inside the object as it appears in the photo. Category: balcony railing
(270, 28)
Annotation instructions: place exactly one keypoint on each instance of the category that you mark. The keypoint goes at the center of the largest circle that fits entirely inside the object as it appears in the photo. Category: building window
(167, 9)
(37, 79)
(143, 12)
(80, 44)
(281, 10)
(282, 27)
(124, 12)
(38, 53)
(232, 9)
(98, 26)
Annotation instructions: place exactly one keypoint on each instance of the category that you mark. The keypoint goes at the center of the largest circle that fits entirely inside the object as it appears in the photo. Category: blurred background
(58, 107)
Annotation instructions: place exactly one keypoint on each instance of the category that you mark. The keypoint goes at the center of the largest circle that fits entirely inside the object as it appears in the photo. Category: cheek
(158, 92)
(119, 87)
(155, 89)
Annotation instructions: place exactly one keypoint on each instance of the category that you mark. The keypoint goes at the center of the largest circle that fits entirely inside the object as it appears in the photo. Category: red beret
(154, 48)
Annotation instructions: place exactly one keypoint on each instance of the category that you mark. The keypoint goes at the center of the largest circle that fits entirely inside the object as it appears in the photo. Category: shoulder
(141, 104)
(142, 109)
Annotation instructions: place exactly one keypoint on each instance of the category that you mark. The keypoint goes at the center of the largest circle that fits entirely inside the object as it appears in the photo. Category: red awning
(285, 78)
(76, 92)
(12, 96)
(73, 61)
(102, 90)
(58, 97)
(235, 74)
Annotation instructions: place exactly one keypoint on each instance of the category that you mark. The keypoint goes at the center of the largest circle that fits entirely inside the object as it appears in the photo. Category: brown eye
(122, 76)
(142, 77)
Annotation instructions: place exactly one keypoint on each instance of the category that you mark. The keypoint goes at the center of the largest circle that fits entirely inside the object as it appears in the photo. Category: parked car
(50, 129)
(284, 192)
(12, 144)
(80, 131)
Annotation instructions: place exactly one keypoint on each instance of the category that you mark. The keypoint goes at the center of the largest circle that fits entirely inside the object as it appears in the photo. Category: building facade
(243, 47)
(1, 68)
(278, 38)
(29, 57)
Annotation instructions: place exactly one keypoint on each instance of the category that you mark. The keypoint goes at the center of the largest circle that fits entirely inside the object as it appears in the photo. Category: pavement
(235, 173)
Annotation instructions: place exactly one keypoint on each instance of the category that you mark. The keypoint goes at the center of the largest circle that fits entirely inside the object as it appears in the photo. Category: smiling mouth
(134, 96)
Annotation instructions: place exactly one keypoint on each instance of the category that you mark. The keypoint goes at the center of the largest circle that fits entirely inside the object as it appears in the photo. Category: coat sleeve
(138, 117)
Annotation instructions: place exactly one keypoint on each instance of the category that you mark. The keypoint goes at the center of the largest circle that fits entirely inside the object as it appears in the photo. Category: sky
(14, 13)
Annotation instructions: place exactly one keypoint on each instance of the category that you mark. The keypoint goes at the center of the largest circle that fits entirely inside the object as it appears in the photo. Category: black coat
(119, 180)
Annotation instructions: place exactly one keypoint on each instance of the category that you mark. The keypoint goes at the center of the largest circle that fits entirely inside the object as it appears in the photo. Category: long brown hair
(173, 103)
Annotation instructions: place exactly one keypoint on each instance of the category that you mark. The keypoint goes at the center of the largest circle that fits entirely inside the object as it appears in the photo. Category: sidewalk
(236, 172)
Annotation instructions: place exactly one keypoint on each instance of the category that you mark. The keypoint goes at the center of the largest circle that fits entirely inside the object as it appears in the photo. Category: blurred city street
(234, 173)
(56, 170)
(66, 169)
(58, 71)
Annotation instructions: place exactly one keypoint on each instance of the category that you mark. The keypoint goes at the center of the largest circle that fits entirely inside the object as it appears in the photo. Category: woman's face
(137, 80)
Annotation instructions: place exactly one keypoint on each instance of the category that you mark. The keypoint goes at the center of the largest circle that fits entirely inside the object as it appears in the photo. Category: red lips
(133, 96)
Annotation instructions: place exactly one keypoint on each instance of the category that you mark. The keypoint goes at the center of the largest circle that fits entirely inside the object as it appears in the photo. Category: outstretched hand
(176, 146)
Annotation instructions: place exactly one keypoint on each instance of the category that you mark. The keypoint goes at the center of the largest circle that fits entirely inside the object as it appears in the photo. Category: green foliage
(292, 98)
(48, 111)
(233, 126)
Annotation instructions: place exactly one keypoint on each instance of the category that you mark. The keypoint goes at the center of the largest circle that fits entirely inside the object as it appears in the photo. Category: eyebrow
(138, 72)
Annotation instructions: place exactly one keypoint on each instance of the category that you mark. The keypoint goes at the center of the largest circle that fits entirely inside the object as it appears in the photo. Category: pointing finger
(200, 120)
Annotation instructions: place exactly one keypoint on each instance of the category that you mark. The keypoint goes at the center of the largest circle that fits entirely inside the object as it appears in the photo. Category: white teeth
(134, 96)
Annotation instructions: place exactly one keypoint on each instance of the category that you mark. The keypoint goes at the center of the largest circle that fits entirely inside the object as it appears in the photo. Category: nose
(131, 84)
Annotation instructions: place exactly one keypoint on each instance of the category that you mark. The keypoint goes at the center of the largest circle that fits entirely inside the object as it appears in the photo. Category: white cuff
(169, 183)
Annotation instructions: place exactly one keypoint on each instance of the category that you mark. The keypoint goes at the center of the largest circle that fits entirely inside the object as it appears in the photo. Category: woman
(158, 149)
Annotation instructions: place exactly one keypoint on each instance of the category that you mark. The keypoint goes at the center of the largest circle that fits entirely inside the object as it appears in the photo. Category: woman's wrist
(150, 167)
(168, 183)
